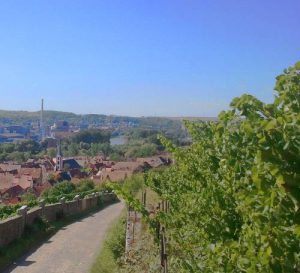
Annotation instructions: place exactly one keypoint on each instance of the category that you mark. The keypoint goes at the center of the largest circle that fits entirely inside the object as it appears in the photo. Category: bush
(234, 194)
(59, 189)
(85, 185)
(28, 197)
(113, 248)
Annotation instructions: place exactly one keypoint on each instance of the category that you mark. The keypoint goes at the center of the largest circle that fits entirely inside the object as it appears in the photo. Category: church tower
(59, 158)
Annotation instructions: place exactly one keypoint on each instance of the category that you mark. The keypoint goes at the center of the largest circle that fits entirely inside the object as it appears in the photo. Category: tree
(85, 185)
(234, 193)
(59, 189)
(73, 149)
(51, 152)
(28, 196)
(92, 136)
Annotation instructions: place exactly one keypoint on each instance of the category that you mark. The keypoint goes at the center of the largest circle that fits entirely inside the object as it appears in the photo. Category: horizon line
(116, 115)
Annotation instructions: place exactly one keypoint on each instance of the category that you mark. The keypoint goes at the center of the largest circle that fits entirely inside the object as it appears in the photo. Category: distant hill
(195, 118)
(26, 118)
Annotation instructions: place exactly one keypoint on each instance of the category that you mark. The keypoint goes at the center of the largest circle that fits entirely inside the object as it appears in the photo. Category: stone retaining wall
(32, 215)
(13, 227)
(10, 229)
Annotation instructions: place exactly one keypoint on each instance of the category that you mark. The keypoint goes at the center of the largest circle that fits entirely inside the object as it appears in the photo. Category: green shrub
(85, 185)
(110, 255)
(234, 194)
(59, 189)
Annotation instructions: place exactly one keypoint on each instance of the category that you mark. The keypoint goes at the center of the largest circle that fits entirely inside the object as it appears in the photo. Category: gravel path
(73, 248)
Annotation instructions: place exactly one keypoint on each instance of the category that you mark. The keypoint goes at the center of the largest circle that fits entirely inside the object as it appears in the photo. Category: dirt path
(73, 248)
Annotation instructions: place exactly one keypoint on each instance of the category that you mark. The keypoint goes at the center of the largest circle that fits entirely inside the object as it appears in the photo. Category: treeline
(26, 118)
(234, 193)
(146, 142)
(92, 136)
(88, 142)
(139, 143)
(20, 151)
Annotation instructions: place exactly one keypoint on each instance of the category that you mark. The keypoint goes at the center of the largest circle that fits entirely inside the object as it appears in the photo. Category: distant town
(22, 125)
(41, 149)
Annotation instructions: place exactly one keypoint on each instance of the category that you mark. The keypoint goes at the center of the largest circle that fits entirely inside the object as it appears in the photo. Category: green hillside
(26, 117)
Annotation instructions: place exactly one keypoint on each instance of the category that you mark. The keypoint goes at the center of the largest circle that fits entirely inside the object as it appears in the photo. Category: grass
(110, 255)
(145, 256)
(36, 234)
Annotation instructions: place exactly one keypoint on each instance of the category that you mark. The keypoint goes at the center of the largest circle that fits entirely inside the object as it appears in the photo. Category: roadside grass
(145, 255)
(36, 234)
(152, 198)
(143, 258)
(112, 251)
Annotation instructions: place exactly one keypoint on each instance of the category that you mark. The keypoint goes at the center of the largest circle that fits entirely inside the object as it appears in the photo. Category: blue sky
(143, 58)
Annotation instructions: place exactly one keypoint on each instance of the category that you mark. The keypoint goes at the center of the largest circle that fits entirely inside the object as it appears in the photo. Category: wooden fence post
(145, 197)
(163, 253)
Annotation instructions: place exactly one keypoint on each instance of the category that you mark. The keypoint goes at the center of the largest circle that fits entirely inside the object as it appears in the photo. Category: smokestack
(42, 129)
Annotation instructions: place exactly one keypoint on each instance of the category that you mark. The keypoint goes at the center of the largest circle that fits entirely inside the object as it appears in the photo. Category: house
(14, 185)
(110, 175)
(77, 173)
(25, 181)
(12, 192)
(46, 164)
(35, 173)
(16, 129)
(60, 126)
(11, 137)
(6, 181)
(71, 164)
(59, 176)
(10, 167)
(11, 201)
(126, 166)
(38, 189)
(131, 166)
(155, 161)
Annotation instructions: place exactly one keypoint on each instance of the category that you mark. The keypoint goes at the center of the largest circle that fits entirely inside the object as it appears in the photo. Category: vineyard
(234, 192)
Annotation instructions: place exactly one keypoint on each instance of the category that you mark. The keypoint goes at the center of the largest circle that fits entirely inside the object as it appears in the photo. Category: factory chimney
(42, 127)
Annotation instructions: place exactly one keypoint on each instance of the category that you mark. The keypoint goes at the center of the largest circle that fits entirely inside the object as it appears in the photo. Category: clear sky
(138, 57)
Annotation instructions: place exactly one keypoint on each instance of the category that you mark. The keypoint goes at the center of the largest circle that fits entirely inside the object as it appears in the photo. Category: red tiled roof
(40, 188)
(25, 181)
(36, 173)
(6, 181)
(117, 175)
(13, 191)
(11, 201)
(7, 167)
(132, 166)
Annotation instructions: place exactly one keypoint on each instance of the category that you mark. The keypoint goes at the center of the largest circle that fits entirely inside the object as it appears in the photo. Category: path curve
(73, 248)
